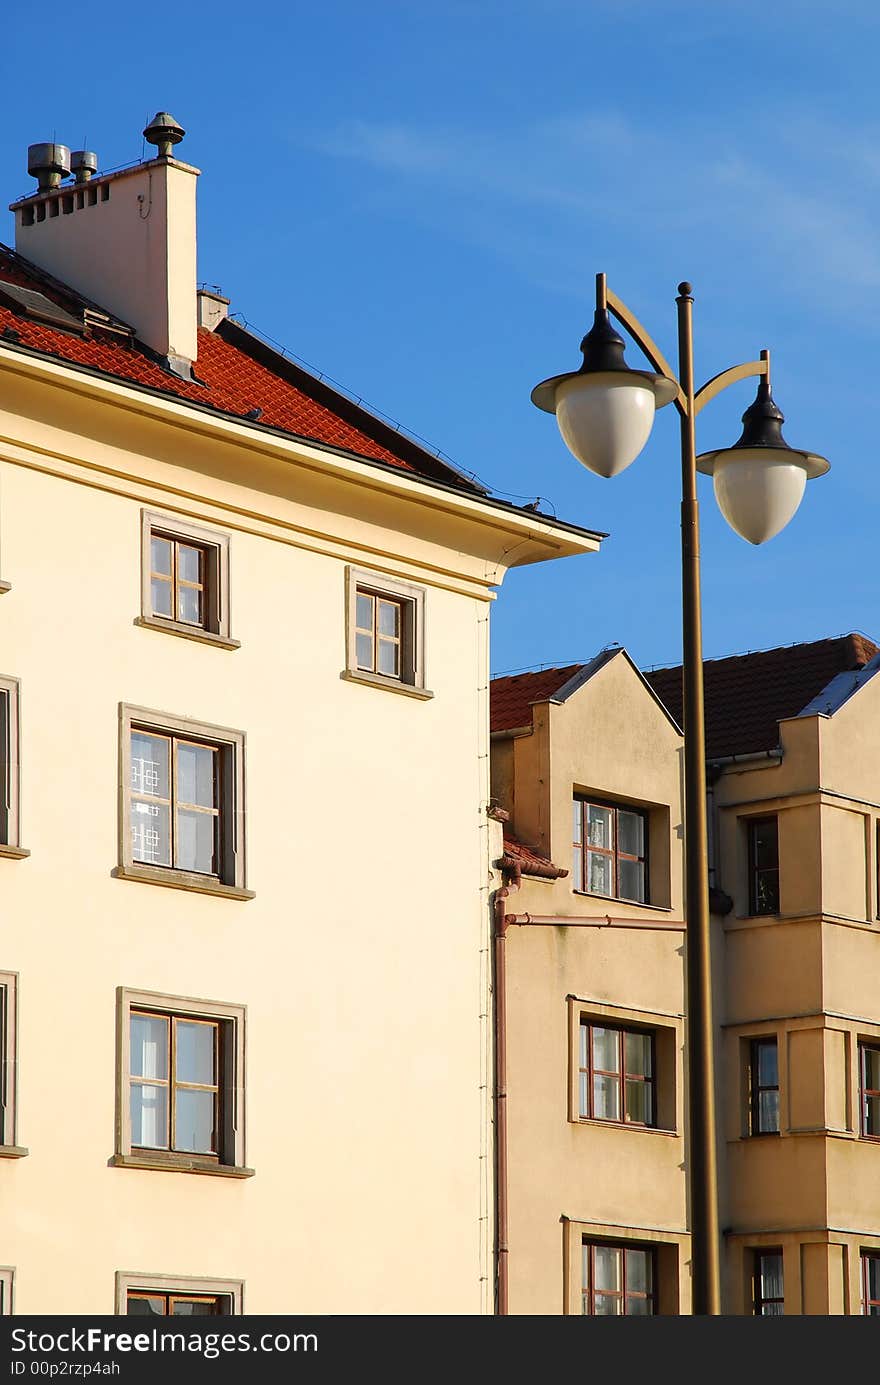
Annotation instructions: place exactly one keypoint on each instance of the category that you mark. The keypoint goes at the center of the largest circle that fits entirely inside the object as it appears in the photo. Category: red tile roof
(511, 696)
(238, 374)
(748, 694)
(522, 860)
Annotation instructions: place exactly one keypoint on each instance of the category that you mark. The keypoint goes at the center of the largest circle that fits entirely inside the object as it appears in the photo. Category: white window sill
(379, 680)
(614, 899)
(187, 632)
(13, 1152)
(15, 853)
(626, 1125)
(181, 880)
(182, 1165)
(5, 587)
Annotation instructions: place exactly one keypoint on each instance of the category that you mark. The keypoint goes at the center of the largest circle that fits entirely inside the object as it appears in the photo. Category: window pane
(608, 1306)
(577, 857)
(599, 874)
(149, 1116)
(189, 563)
(195, 1308)
(632, 880)
(768, 1064)
(768, 1112)
(144, 1307)
(600, 827)
(640, 1307)
(638, 1272)
(767, 892)
(872, 1265)
(195, 774)
(638, 1054)
(389, 618)
(364, 650)
(764, 844)
(161, 597)
(364, 616)
(577, 821)
(771, 1275)
(607, 1268)
(606, 1050)
(772, 1310)
(196, 837)
(189, 605)
(194, 1122)
(584, 1094)
(872, 1115)
(149, 1046)
(149, 764)
(638, 1102)
(606, 1098)
(151, 833)
(583, 1047)
(195, 1052)
(631, 833)
(872, 1069)
(389, 658)
(160, 555)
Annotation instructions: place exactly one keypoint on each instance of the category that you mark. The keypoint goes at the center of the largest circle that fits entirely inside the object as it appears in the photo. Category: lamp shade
(605, 410)
(760, 480)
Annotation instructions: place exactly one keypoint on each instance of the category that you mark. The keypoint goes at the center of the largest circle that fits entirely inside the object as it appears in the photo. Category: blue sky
(415, 198)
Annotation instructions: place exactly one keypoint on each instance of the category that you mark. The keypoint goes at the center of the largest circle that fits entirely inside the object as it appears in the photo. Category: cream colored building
(593, 1201)
(244, 704)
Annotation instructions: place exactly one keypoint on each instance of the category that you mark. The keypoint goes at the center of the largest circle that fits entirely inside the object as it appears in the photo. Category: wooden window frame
(411, 602)
(589, 1023)
(178, 1286)
(588, 1291)
(215, 626)
(866, 1256)
(231, 876)
(7, 1290)
(864, 1090)
(9, 1149)
(756, 1088)
(229, 1160)
(758, 1298)
(580, 879)
(752, 824)
(10, 768)
(172, 1084)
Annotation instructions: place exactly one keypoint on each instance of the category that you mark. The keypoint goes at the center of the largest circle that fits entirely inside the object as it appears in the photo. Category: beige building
(594, 1198)
(246, 1049)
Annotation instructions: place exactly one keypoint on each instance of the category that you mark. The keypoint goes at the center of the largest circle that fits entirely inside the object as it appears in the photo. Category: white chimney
(212, 308)
(125, 240)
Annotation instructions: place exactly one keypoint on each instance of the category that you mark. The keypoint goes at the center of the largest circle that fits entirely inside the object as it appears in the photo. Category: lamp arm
(646, 344)
(730, 377)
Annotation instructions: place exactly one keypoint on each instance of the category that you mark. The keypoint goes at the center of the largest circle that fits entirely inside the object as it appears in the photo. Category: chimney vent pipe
(84, 164)
(164, 131)
(48, 163)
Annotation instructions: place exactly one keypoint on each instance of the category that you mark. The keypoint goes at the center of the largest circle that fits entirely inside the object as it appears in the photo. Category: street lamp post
(605, 412)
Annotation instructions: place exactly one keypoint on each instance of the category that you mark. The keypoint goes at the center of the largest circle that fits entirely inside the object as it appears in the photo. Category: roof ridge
(770, 649)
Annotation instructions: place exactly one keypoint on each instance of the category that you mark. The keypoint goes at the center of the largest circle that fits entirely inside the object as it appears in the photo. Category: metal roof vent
(48, 163)
(164, 131)
(84, 164)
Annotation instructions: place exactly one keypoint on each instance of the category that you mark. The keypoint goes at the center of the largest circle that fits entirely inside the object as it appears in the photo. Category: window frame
(758, 1297)
(178, 1285)
(752, 824)
(589, 1246)
(7, 1291)
(757, 1088)
(864, 1091)
(231, 876)
(579, 874)
(10, 768)
(229, 1160)
(412, 602)
(215, 626)
(589, 1023)
(9, 1149)
(865, 1256)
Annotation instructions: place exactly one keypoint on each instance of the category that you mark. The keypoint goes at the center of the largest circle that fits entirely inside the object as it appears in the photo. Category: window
(618, 1279)
(161, 1295)
(9, 769)
(764, 1087)
(6, 1278)
(869, 1088)
(769, 1299)
(183, 803)
(181, 1083)
(610, 851)
(185, 579)
(763, 866)
(871, 1283)
(385, 642)
(616, 1077)
(8, 1063)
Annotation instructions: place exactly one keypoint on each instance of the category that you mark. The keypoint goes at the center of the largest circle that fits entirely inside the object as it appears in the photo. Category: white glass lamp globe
(760, 481)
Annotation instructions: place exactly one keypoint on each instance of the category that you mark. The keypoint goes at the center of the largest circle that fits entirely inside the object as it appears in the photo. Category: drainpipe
(501, 1209)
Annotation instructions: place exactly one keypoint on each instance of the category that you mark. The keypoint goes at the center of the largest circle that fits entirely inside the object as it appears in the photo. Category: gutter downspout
(500, 1008)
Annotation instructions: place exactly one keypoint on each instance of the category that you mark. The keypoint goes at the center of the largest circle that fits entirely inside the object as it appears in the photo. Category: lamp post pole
(605, 412)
